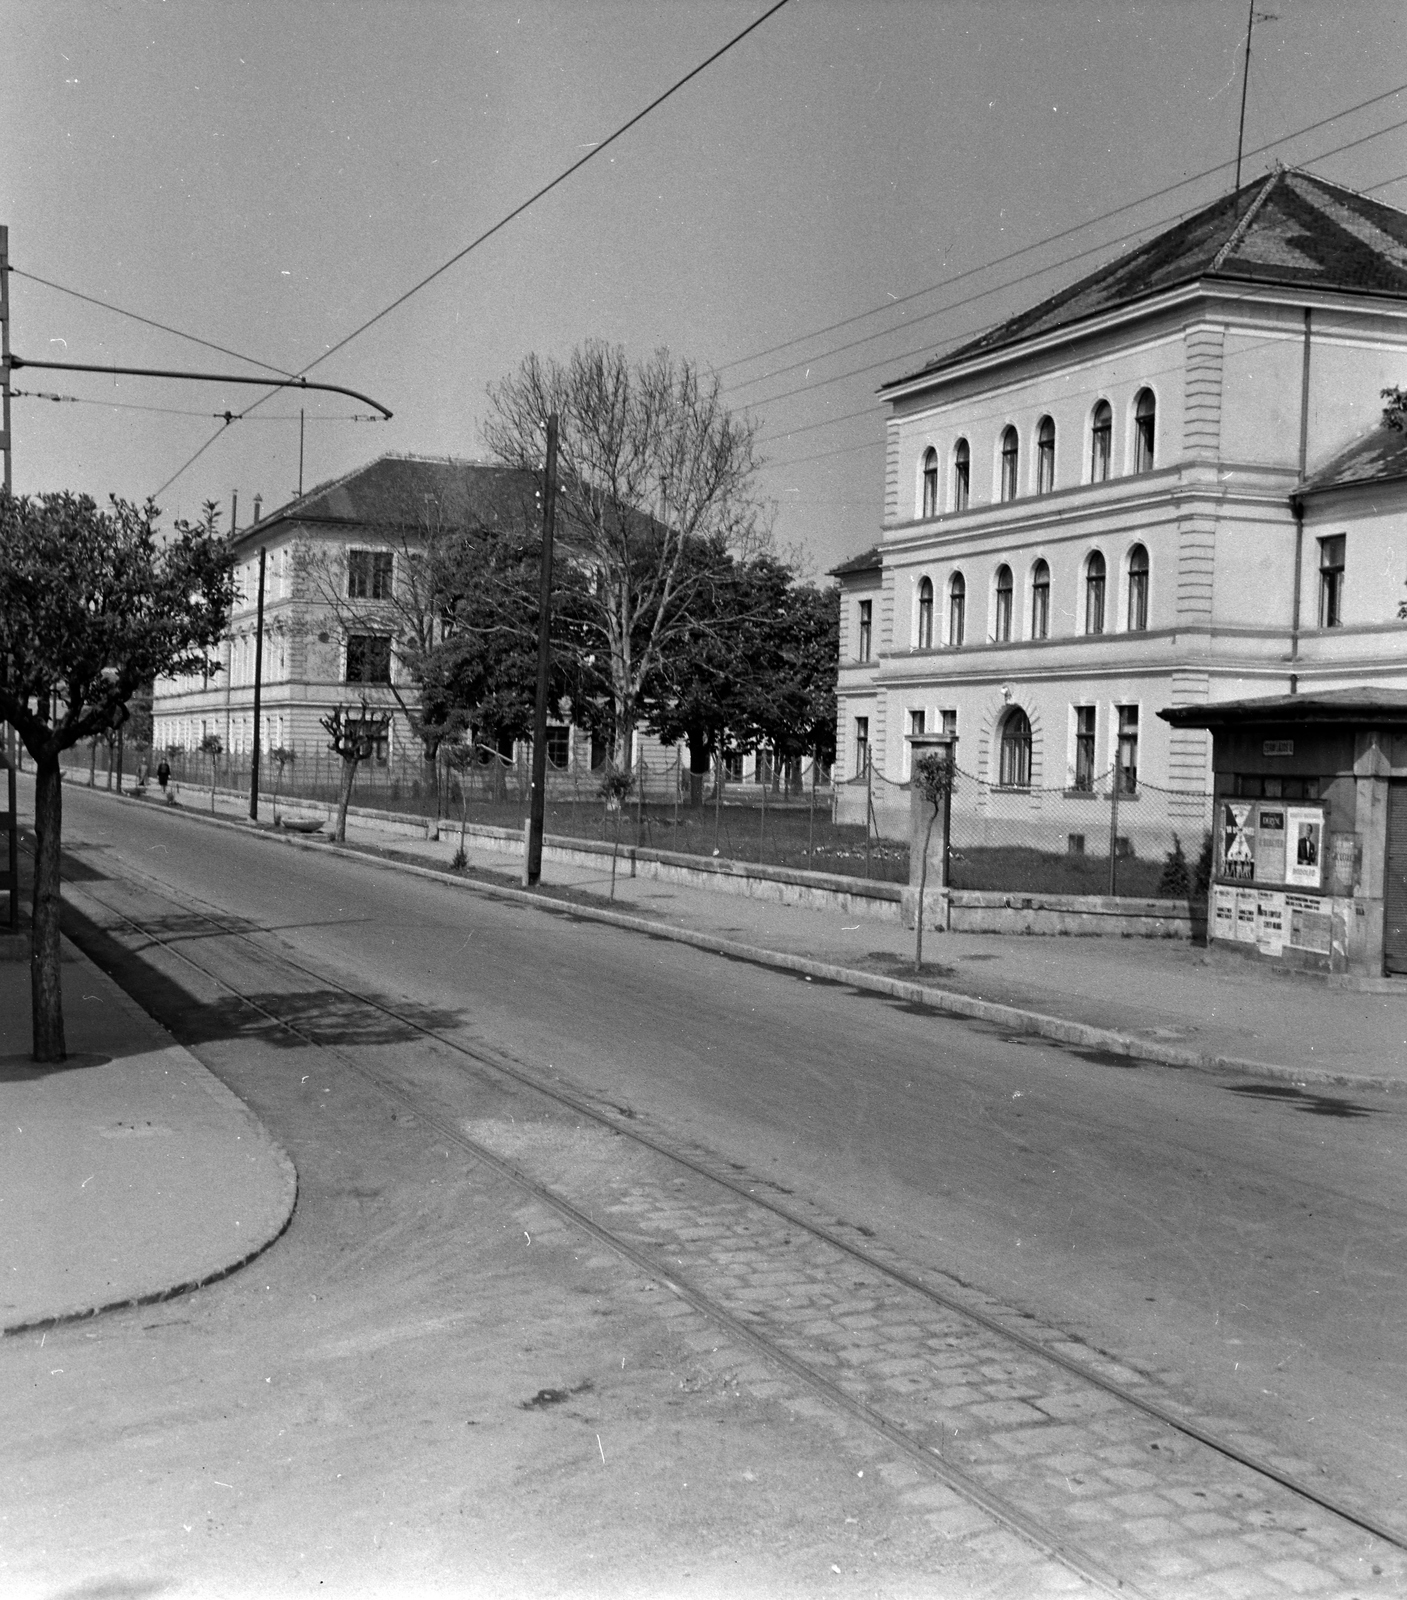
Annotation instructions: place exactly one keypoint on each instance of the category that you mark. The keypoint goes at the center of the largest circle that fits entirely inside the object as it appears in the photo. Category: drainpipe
(1297, 503)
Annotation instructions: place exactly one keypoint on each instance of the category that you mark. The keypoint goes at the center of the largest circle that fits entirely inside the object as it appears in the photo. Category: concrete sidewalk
(1156, 999)
(127, 1174)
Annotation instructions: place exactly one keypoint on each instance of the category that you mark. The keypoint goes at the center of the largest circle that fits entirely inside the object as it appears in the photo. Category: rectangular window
(916, 721)
(368, 658)
(862, 746)
(1331, 568)
(866, 630)
(733, 766)
(949, 719)
(1084, 747)
(369, 574)
(1126, 758)
(558, 747)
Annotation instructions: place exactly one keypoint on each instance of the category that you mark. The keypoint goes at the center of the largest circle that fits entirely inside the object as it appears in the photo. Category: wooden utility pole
(537, 809)
(5, 351)
(258, 691)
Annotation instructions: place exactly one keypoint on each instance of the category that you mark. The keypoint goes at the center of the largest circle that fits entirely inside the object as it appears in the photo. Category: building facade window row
(1094, 617)
(1043, 476)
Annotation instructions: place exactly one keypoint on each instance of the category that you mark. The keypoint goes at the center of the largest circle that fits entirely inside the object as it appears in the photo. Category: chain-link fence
(1102, 838)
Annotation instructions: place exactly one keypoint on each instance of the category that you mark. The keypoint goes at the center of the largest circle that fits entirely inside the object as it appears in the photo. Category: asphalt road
(1242, 1245)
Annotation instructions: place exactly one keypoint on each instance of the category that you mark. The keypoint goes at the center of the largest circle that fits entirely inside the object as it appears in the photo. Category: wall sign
(1278, 747)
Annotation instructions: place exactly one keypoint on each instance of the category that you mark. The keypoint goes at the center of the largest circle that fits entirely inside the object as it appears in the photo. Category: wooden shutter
(1395, 882)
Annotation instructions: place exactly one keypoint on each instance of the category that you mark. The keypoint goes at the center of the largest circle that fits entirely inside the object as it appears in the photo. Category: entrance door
(1395, 882)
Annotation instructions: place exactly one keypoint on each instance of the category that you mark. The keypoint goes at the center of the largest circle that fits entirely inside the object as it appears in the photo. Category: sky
(833, 201)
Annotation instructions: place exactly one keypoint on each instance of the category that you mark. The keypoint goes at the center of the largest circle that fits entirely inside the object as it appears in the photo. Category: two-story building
(1158, 487)
(338, 591)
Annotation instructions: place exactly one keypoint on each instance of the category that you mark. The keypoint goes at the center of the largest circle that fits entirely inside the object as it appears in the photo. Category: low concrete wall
(979, 911)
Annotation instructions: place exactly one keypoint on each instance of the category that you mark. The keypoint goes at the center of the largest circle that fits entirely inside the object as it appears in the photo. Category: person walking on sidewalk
(163, 773)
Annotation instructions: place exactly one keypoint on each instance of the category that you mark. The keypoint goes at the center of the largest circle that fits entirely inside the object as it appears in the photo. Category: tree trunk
(349, 772)
(46, 992)
(699, 760)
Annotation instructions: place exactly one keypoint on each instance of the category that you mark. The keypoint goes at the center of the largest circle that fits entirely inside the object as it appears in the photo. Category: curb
(1016, 1019)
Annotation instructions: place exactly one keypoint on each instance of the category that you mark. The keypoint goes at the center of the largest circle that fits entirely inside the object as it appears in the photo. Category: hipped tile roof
(1290, 230)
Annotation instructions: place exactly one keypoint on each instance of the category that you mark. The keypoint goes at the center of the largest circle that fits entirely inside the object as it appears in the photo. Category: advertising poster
(1309, 926)
(1245, 916)
(1304, 847)
(1345, 861)
(1237, 851)
(1270, 922)
(1270, 845)
(1223, 912)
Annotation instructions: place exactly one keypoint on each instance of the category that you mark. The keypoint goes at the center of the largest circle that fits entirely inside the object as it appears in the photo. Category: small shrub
(459, 860)
(1176, 881)
(1202, 875)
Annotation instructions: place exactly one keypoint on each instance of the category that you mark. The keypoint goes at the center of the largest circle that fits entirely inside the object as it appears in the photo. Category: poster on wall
(1304, 847)
(1270, 845)
(1237, 850)
(1309, 923)
(1223, 912)
(1246, 916)
(1270, 922)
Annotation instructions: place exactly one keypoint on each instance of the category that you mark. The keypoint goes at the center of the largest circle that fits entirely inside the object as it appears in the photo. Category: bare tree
(352, 736)
(649, 461)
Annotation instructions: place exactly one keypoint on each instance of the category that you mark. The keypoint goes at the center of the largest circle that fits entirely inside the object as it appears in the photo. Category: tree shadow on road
(290, 1017)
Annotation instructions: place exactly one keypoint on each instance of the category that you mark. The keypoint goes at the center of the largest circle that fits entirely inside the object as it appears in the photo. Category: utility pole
(258, 689)
(5, 350)
(300, 452)
(532, 866)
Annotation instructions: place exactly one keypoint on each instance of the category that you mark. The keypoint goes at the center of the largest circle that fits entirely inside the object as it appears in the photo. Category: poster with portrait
(1238, 857)
(1304, 847)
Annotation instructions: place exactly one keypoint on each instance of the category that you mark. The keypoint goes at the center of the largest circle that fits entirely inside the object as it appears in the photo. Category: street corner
(128, 1179)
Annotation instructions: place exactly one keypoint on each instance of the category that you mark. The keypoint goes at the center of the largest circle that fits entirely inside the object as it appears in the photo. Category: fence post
(1114, 834)
(869, 805)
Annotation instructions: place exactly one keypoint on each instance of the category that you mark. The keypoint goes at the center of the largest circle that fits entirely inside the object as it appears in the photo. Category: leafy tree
(648, 460)
(794, 649)
(92, 607)
(213, 746)
(696, 693)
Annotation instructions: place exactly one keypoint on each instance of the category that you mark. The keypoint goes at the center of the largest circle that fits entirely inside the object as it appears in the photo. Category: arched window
(930, 483)
(1138, 589)
(925, 614)
(1045, 455)
(1010, 451)
(1101, 440)
(1040, 601)
(1145, 412)
(962, 475)
(1014, 771)
(957, 609)
(1003, 615)
(1094, 593)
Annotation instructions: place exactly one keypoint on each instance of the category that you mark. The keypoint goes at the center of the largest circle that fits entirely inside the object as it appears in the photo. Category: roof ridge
(1239, 231)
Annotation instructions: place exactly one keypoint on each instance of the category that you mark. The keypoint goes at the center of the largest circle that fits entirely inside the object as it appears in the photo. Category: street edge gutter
(1083, 1035)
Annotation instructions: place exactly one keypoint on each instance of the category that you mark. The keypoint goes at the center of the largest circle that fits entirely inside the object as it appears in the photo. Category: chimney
(258, 506)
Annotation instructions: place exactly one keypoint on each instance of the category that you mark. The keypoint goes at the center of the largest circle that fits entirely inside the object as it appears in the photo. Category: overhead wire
(150, 322)
(1054, 238)
(1009, 283)
(503, 222)
(179, 411)
(999, 288)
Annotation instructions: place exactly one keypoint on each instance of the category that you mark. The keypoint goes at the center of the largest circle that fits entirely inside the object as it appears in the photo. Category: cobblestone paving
(1167, 1514)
